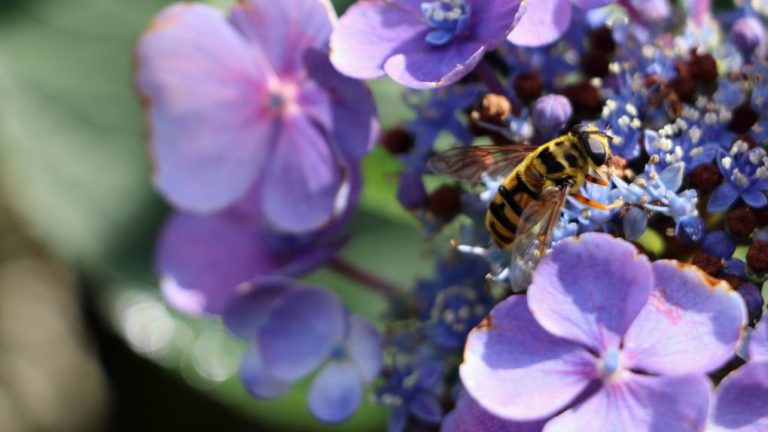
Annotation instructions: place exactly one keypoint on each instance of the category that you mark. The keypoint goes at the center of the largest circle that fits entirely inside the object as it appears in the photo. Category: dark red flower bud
(397, 140)
(444, 203)
(711, 264)
(757, 256)
(705, 177)
(528, 86)
(740, 222)
(703, 68)
(744, 117)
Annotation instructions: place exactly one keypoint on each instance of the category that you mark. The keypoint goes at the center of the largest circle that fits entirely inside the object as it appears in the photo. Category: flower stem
(486, 74)
(363, 277)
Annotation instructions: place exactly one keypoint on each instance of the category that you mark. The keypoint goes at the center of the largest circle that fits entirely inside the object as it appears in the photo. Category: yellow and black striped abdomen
(506, 207)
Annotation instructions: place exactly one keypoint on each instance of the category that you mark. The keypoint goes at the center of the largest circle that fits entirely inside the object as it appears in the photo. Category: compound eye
(596, 149)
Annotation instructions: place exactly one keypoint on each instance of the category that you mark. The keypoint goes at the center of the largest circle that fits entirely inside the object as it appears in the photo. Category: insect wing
(469, 163)
(534, 234)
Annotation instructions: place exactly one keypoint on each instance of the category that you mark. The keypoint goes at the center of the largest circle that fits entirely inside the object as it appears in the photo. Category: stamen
(448, 18)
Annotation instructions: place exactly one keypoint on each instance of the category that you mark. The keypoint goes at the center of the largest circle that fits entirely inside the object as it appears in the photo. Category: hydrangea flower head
(247, 108)
(605, 340)
(745, 173)
(420, 44)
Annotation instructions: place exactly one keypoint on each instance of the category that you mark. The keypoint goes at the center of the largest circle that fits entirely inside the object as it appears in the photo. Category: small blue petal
(256, 379)
(336, 392)
(635, 222)
(672, 176)
(722, 197)
(426, 408)
(754, 198)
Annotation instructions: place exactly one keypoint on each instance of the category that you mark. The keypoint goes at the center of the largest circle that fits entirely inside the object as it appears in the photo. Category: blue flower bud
(718, 243)
(747, 34)
(551, 113)
(690, 228)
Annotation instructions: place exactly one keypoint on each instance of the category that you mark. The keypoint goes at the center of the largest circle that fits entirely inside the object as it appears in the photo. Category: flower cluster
(256, 142)
(635, 301)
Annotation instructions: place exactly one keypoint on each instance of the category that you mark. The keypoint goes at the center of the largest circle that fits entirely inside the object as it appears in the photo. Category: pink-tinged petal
(469, 416)
(419, 65)
(691, 324)
(285, 28)
(741, 400)
(641, 403)
(758, 341)
(370, 32)
(203, 260)
(589, 289)
(591, 4)
(518, 371)
(202, 85)
(302, 180)
(257, 379)
(336, 392)
(542, 23)
(340, 104)
(301, 332)
(364, 347)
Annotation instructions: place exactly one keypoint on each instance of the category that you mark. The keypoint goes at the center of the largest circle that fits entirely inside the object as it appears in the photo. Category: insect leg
(597, 180)
(596, 204)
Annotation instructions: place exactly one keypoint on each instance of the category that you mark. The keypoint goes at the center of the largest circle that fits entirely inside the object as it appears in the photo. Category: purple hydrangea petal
(722, 197)
(344, 106)
(741, 400)
(303, 179)
(257, 380)
(301, 332)
(591, 4)
(758, 341)
(469, 416)
(691, 324)
(336, 392)
(364, 347)
(641, 403)
(542, 23)
(204, 259)
(420, 66)
(284, 29)
(370, 32)
(572, 299)
(200, 80)
(245, 316)
(516, 370)
(754, 198)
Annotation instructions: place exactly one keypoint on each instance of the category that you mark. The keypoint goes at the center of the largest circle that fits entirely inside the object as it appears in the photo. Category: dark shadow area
(145, 397)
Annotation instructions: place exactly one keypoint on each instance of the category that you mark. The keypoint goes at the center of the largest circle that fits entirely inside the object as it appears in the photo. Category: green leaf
(71, 130)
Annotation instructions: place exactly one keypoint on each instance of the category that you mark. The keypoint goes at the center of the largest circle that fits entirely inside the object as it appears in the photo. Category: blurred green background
(85, 342)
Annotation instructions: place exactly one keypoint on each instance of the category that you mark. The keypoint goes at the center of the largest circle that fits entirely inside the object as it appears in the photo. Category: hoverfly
(527, 205)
